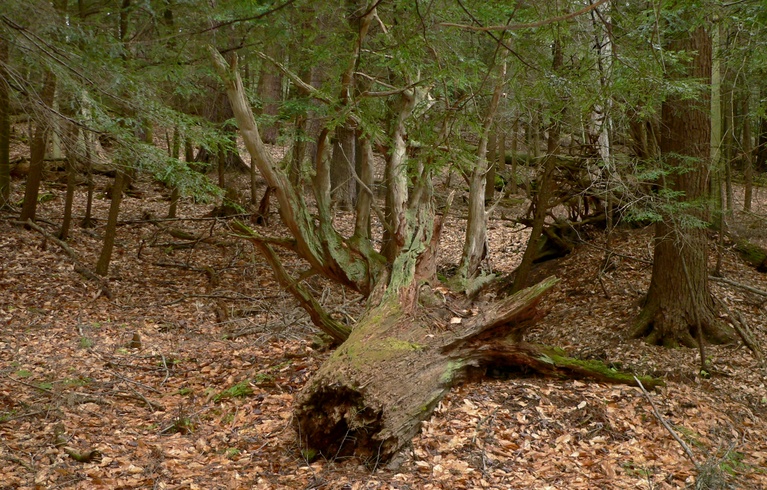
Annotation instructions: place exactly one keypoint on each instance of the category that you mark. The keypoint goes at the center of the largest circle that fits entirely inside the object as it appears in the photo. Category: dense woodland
(383, 244)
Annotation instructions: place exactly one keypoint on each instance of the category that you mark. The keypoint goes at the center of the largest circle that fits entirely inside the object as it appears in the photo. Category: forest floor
(186, 377)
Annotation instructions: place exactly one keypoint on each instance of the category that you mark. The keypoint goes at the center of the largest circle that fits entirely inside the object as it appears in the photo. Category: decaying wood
(752, 253)
(390, 371)
(371, 396)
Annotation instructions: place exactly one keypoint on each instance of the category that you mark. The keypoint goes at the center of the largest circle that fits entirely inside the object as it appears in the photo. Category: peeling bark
(323, 247)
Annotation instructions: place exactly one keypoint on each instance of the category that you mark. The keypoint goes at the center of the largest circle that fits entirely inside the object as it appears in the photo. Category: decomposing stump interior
(371, 396)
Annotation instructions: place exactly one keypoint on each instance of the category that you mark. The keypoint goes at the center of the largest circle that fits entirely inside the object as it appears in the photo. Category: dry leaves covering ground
(185, 378)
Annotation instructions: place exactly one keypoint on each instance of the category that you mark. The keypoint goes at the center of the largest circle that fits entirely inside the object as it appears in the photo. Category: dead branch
(540, 23)
(79, 267)
(155, 221)
(668, 427)
(740, 326)
(746, 287)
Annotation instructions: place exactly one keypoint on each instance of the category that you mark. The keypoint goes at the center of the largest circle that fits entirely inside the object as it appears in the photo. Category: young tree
(37, 148)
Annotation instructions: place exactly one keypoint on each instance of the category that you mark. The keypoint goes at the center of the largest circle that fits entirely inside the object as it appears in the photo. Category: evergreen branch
(540, 23)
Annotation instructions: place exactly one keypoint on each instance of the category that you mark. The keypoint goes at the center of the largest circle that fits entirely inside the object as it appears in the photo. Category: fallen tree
(369, 398)
(416, 339)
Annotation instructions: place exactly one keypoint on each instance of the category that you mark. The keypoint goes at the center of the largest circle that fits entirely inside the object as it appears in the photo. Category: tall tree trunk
(70, 140)
(679, 301)
(475, 241)
(270, 93)
(541, 198)
(5, 127)
(729, 145)
(366, 195)
(110, 232)
(514, 157)
(748, 156)
(761, 149)
(87, 221)
(492, 165)
(342, 181)
(174, 148)
(534, 146)
(37, 150)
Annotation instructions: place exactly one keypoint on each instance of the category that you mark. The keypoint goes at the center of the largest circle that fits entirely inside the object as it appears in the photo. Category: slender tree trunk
(542, 197)
(102, 266)
(535, 134)
(492, 165)
(87, 221)
(366, 196)
(729, 147)
(270, 93)
(71, 163)
(343, 184)
(5, 127)
(514, 158)
(221, 168)
(541, 205)
(761, 149)
(716, 125)
(174, 148)
(679, 307)
(748, 156)
(475, 241)
(37, 151)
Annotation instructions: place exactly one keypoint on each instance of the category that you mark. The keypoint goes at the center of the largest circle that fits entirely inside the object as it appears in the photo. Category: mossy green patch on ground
(239, 390)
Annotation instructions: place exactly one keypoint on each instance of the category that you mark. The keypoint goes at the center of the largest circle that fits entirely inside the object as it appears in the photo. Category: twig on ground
(743, 330)
(157, 220)
(738, 285)
(138, 396)
(668, 427)
(167, 371)
(18, 461)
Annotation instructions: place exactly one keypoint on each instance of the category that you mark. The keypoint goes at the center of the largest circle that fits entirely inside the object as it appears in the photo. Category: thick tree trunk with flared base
(679, 301)
(673, 309)
(369, 399)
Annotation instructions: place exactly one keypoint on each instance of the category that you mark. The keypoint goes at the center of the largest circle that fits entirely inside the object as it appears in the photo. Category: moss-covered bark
(371, 396)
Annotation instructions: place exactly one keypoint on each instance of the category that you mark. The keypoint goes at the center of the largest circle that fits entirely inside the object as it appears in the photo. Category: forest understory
(186, 377)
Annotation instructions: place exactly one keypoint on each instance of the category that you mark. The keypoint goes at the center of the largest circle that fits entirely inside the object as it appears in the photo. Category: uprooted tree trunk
(399, 360)
(370, 397)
